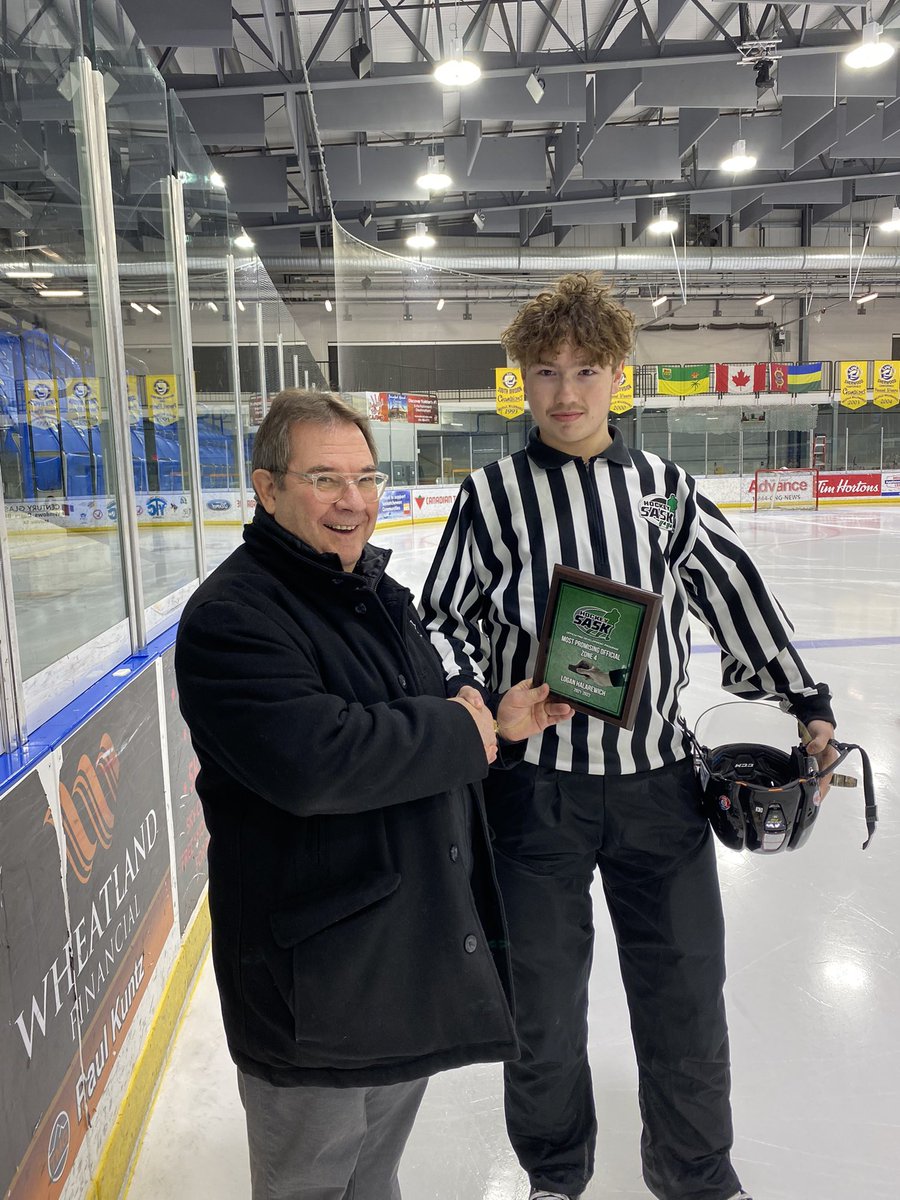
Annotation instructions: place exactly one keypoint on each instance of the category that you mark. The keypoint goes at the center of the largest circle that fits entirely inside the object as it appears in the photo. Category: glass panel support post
(185, 359)
(281, 362)
(91, 132)
(13, 730)
(236, 385)
(261, 352)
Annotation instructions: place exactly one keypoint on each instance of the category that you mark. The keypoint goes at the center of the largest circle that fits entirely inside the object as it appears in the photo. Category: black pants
(657, 862)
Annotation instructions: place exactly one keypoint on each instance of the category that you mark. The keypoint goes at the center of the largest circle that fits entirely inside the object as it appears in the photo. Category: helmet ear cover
(759, 798)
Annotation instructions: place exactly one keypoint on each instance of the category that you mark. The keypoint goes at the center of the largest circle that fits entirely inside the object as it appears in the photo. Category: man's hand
(821, 732)
(525, 710)
(471, 700)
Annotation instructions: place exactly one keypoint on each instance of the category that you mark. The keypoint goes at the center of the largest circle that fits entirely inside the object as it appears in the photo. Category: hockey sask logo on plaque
(660, 510)
(596, 622)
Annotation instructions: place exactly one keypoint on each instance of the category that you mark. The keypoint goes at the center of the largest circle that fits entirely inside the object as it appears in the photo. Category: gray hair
(294, 406)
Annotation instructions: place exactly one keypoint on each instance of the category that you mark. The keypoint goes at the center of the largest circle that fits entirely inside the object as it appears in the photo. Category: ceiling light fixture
(23, 274)
(871, 51)
(434, 178)
(738, 159)
(440, 304)
(59, 293)
(137, 307)
(765, 300)
(153, 309)
(478, 220)
(663, 223)
(216, 180)
(892, 225)
(659, 300)
(212, 306)
(328, 305)
(244, 241)
(421, 239)
(240, 305)
(866, 299)
(456, 70)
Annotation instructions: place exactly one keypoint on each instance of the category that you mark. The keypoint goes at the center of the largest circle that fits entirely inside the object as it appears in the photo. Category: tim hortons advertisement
(71, 987)
(840, 485)
(191, 836)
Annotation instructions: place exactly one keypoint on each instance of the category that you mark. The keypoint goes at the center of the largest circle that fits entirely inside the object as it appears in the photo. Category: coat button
(471, 944)
(401, 679)
(454, 853)
(360, 608)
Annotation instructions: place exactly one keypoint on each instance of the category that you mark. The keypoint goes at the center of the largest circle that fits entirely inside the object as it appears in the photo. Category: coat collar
(547, 457)
(276, 546)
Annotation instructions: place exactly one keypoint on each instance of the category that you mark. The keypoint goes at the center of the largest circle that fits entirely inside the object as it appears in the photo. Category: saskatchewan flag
(805, 377)
(689, 380)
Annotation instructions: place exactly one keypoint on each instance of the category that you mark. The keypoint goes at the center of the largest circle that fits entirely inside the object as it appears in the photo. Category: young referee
(586, 794)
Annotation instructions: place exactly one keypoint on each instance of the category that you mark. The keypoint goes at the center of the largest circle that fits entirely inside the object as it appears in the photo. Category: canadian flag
(742, 378)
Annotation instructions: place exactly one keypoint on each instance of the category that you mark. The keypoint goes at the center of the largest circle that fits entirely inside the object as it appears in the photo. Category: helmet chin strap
(843, 749)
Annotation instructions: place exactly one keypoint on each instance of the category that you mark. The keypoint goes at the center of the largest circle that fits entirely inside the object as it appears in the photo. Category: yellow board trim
(117, 1160)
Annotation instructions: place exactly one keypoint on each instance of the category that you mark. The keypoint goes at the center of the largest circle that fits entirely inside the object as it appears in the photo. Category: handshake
(523, 711)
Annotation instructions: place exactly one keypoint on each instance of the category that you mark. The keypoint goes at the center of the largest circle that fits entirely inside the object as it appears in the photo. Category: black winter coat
(357, 932)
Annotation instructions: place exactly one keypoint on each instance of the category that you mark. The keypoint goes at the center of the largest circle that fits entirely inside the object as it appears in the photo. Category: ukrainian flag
(805, 377)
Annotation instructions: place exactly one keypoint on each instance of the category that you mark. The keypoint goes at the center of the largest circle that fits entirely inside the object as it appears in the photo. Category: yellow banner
(134, 399)
(83, 400)
(886, 383)
(162, 399)
(623, 396)
(510, 392)
(853, 384)
(42, 403)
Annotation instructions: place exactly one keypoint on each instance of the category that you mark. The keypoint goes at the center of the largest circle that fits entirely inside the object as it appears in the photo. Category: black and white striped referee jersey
(629, 516)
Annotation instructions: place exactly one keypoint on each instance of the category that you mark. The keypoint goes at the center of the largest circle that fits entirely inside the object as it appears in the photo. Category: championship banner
(853, 384)
(510, 392)
(886, 392)
(623, 396)
(42, 403)
(73, 978)
(162, 399)
(134, 399)
(83, 401)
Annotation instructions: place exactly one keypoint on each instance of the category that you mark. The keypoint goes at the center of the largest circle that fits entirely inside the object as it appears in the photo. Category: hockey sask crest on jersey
(660, 510)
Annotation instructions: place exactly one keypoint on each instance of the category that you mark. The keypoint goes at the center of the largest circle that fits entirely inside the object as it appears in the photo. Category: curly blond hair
(580, 310)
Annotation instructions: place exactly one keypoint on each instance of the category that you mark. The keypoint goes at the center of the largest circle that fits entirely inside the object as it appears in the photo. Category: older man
(358, 941)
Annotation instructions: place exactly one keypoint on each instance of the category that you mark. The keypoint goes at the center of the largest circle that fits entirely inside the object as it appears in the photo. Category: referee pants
(656, 857)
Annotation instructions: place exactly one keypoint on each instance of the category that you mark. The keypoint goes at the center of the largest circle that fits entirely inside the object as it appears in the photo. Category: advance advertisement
(77, 958)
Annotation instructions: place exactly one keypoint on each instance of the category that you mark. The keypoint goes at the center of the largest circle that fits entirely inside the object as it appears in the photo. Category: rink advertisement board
(395, 505)
(72, 985)
(189, 829)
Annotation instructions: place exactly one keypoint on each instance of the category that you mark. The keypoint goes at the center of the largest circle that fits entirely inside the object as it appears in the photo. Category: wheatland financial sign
(78, 953)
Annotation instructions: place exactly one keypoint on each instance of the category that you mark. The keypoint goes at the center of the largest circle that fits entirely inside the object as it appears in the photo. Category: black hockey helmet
(767, 800)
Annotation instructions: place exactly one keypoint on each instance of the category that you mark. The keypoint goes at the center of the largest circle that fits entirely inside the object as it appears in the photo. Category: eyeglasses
(329, 485)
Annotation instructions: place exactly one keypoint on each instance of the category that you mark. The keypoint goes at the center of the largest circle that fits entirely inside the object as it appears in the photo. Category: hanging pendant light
(456, 70)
